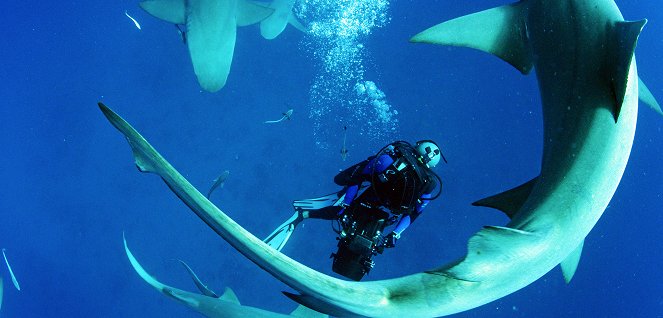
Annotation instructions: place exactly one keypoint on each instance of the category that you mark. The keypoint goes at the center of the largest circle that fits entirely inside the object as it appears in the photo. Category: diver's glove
(390, 240)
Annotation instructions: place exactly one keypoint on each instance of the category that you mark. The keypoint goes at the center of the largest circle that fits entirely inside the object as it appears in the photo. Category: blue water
(70, 188)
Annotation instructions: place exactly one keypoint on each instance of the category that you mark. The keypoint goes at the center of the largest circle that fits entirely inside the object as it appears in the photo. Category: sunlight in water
(340, 95)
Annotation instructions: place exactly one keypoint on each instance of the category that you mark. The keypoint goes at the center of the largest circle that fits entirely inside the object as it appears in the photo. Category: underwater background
(70, 188)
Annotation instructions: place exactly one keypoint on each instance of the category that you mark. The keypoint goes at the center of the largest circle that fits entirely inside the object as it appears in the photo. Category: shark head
(582, 51)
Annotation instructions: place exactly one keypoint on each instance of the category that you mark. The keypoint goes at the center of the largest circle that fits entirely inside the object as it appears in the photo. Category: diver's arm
(373, 165)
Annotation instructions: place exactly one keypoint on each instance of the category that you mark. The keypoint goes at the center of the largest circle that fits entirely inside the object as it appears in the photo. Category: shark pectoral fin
(211, 35)
(491, 248)
(202, 287)
(305, 312)
(509, 201)
(621, 56)
(229, 296)
(172, 11)
(251, 13)
(144, 154)
(297, 24)
(570, 263)
(647, 97)
(187, 298)
(500, 31)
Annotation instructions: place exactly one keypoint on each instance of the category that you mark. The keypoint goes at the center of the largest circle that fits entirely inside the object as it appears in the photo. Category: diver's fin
(500, 31)
(281, 235)
(620, 58)
(647, 97)
(202, 287)
(319, 203)
(304, 312)
(251, 13)
(229, 296)
(570, 263)
(173, 11)
(509, 201)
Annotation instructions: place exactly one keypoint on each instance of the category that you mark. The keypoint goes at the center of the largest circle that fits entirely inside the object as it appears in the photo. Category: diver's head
(429, 152)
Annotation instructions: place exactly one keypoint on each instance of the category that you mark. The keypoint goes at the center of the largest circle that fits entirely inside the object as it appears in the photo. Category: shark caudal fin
(647, 97)
(499, 31)
(621, 56)
(201, 287)
(173, 11)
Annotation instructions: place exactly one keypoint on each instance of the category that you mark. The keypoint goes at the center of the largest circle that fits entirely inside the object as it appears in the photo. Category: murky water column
(340, 95)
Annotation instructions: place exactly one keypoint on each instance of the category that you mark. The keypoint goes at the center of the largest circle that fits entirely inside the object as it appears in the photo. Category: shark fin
(619, 64)
(296, 23)
(251, 13)
(509, 201)
(172, 11)
(570, 263)
(140, 270)
(492, 245)
(316, 305)
(305, 312)
(144, 154)
(500, 31)
(229, 296)
(647, 97)
(202, 287)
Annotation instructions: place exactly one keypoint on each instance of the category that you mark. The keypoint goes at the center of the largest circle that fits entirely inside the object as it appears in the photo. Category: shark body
(273, 26)
(582, 51)
(209, 303)
(211, 31)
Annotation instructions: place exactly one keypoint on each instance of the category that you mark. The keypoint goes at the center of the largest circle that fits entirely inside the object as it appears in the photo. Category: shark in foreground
(209, 303)
(583, 52)
(211, 30)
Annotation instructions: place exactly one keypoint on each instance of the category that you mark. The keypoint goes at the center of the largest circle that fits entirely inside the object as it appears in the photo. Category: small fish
(132, 19)
(344, 150)
(181, 32)
(11, 273)
(286, 115)
(218, 182)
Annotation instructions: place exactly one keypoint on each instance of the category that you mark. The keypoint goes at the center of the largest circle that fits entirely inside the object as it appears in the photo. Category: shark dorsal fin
(499, 31)
(172, 11)
(249, 13)
(647, 97)
(619, 63)
(509, 201)
(570, 263)
(229, 296)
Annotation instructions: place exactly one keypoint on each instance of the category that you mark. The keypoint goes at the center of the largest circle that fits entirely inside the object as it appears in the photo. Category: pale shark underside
(582, 51)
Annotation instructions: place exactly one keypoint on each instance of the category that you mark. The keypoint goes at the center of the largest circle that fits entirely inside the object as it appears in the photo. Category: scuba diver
(392, 187)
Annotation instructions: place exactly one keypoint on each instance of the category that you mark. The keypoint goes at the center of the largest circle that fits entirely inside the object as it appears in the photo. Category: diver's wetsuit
(369, 168)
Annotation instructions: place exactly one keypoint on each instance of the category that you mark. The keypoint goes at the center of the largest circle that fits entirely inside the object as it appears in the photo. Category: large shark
(583, 53)
(209, 303)
(211, 32)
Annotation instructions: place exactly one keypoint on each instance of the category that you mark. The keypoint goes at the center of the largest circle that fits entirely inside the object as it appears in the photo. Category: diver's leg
(326, 213)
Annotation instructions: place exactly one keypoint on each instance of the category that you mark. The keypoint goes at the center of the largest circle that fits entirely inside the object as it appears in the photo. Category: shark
(273, 26)
(218, 182)
(209, 303)
(583, 54)
(286, 116)
(211, 31)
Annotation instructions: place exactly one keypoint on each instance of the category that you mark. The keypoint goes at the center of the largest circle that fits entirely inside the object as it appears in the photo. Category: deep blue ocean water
(70, 188)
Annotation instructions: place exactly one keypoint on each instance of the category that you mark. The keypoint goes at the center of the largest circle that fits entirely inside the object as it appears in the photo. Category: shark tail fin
(172, 11)
(647, 97)
(509, 201)
(570, 264)
(144, 154)
(229, 296)
(619, 63)
(500, 31)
